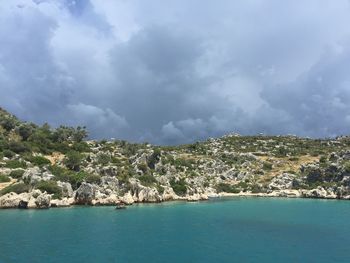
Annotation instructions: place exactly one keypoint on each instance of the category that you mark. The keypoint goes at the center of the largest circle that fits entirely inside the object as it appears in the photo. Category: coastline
(318, 193)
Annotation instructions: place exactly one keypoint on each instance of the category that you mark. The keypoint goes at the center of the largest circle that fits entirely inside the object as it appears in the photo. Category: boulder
(142, 193)
(127, 199)
(169, 194)
(150, 195)
(43, 200)
(85, 194)
(10, 200)
(34, 175)
(109, 182)
(66, 188)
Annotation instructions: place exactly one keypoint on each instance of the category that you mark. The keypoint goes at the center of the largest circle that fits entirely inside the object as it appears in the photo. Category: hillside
(42, 167)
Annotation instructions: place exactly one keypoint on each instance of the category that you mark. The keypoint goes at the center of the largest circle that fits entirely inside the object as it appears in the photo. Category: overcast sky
(176, 71)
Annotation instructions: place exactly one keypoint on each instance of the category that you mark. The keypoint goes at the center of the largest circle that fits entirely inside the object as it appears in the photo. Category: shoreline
(290, 194)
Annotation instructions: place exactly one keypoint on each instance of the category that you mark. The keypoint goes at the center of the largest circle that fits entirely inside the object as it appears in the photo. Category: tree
(25, 131)
(73, 160)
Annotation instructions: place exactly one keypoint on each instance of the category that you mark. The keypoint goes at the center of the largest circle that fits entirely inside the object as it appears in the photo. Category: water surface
(229, 230)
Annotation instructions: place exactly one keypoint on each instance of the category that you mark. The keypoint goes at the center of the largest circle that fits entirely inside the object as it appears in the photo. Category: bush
(16, 188)
(179, 187)
(73, 160)
(50, 187)
(103, 158)
(222, 187)
(13, 164)
(4, 178)
(93, 179)
(147, 179)
(346, 166)
(267, 166)
(8, 153)
(39, 160)
(323, 159)
(143, 167)
(81, 147)
(16, 174)
(75, 179)
(25, 130)
(18, 147)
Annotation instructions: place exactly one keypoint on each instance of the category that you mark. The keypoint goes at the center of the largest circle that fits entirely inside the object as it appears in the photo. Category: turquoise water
(230, 230)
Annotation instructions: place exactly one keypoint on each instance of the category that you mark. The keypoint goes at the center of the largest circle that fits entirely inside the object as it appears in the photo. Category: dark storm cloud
(178, 71)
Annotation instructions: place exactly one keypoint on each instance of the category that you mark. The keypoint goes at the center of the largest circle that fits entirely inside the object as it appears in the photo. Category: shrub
(16, 174)
(222, 187)
(16, 188)
(73, 160)
(143, 167)
(179, 187)
(39, 160)
(18, 147)
(81, 147)
(93, 179)
(13, 164)
(323, 159)
(4, 178)
(103, 158)
(147, 179)
(8, 153)
(25, 130)
(75, 179)
(50, 187)
(267, 166)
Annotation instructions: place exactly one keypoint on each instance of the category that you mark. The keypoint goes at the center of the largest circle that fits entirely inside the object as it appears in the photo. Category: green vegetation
(147, 180)
(267, 166)
(73, 160)
(4, 178)
(179, 186)
(17, 188)
(222, 187)
(39, 160)
(103, 158)
(13, 164)
(16, 174)
(50, 187)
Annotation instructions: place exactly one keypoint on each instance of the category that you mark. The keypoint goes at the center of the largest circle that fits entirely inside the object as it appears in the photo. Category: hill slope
(43, 167)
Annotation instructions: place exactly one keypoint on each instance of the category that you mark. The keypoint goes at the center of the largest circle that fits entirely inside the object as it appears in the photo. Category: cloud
(178, 71)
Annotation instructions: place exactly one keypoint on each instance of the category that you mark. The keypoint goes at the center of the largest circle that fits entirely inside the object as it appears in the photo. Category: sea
(219, 230)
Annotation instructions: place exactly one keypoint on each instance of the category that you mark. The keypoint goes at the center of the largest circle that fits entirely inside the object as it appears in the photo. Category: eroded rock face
(43, 200)
(10, 200)
(105, 200)
(169, 194)
(85, 194)
(65, 202)
(319, 192)
(67, 190)
(34, 175)
(283, 182)
(35, 199)
(144, 194)
(127, 199)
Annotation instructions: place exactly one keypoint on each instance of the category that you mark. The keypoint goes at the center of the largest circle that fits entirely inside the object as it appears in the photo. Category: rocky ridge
(41, 167)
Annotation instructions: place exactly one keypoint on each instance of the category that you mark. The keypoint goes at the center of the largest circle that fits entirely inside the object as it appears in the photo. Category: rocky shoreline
(85, 195)
(42, 167)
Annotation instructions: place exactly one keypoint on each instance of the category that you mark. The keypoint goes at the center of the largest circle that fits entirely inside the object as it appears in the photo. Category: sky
(178, 71)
